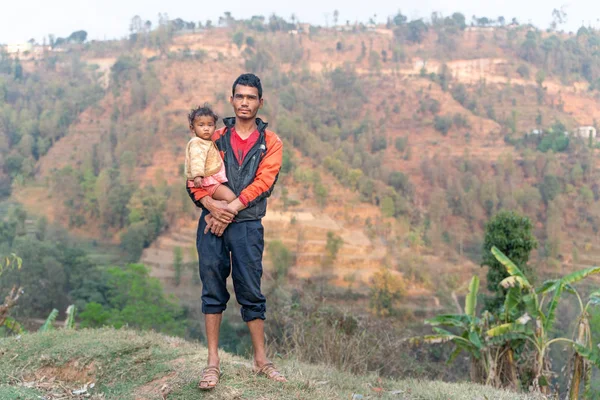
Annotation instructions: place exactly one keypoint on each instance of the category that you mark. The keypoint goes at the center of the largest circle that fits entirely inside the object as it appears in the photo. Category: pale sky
(21, 20)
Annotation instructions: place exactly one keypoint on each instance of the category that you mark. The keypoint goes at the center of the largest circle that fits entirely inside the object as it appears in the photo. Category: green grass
(125, 364)
(18, 393)
(101, 253)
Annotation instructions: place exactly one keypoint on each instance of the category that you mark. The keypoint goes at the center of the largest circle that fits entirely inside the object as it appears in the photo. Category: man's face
(245, 102)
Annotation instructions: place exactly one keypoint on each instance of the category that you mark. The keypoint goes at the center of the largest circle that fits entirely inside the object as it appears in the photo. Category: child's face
(204, 127)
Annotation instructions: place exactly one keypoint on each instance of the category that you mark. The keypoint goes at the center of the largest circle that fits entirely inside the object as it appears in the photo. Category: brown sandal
(210, 378)
(270, 372)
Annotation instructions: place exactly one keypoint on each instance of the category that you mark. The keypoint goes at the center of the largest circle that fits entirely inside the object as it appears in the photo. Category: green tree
(238, 39)
(378, 143)
(332, 247)
(177, 264)
(77, 37)
(374, 60)
(250, 42)
(400, 19)
(417, 30)
(576, 174)
(512, 234)
(460, 94)
(523, 70)
(442, 124)
(400, 143)
(137, 300)
(386, 291)
(550, 188)
(281, 258)
(134, 240)
(321, 194)
(400, 182)
(388, 208)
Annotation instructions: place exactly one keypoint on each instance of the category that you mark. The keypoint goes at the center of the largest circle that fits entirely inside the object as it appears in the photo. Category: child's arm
(224, 193)
(197, 153)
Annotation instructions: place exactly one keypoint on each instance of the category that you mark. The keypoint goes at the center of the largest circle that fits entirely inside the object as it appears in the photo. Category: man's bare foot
(269, 371)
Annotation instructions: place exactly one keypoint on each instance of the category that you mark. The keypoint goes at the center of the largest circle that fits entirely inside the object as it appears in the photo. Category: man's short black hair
(250, 80)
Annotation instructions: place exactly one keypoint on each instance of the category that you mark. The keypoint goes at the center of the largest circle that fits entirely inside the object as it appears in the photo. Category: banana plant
(6, 263)
(70, 320)
(471, 338)
(49, 321)
(520, 290)
(581, 366)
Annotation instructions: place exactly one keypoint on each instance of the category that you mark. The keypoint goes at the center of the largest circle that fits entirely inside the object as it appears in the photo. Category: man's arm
(266, 176)
(220, 210)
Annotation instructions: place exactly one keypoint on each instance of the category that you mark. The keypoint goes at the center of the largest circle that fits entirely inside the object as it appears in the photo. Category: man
(230, 236)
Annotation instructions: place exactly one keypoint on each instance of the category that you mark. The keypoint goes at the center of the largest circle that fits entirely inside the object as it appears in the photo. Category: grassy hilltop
(125, 364)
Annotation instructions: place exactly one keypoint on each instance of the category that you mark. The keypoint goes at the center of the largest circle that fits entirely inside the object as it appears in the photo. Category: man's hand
(219, 209)
(216, 227)
(237, 205)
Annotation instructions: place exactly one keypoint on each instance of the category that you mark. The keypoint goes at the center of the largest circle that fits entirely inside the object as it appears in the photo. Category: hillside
(402, 143)
(124, 364)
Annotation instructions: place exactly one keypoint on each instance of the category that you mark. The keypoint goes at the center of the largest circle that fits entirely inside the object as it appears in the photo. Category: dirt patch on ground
(74, 380)
(161, 386)
(72, 372)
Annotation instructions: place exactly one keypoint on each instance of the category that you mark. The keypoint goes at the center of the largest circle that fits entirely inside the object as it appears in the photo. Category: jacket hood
(260, 124)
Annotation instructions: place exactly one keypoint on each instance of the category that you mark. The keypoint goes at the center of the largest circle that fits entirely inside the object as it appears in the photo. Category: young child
(203, 164)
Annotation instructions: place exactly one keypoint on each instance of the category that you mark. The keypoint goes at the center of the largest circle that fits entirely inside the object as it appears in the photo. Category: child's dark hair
(202, 111)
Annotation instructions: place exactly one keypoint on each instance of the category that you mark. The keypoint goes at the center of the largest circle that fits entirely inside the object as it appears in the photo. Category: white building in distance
(585, 132)
(19, 48)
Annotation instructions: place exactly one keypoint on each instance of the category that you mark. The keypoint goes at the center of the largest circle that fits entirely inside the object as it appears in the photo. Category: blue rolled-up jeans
(239, 252)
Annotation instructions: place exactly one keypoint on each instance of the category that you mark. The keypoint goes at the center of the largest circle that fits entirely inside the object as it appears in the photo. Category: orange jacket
(266, 173)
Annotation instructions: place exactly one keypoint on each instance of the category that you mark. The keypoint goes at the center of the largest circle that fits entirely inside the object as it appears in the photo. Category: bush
(287, 161)
(281, 257)
(554, 141)
(434, 106)
(400, 182)
(379, 143)
(137, 300)
(523, 70)
(401, 143)
(388, 208)
(442, 124)
(300, 327)
(550, 188)
(386, 291)
(417, 30)
(460, 94)
(135, 239)
(238, 39)
(123, 70)
(460, 121)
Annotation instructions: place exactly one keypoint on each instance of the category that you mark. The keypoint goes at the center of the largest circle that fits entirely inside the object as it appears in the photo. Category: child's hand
(198, 181)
